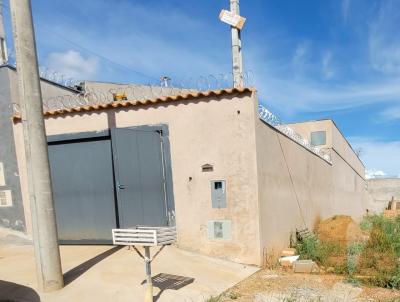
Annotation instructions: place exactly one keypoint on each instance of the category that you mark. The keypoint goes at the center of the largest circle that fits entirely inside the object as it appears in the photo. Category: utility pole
(3, 45)
(47, 254)
(237, 60)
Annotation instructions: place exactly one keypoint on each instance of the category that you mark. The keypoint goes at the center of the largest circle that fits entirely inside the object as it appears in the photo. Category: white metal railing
(144, 236)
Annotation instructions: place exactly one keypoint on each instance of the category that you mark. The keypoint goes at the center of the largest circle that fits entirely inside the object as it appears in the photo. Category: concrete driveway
(105, 273)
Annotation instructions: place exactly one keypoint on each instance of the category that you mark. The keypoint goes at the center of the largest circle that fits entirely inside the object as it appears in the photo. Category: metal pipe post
(149, 286)
(47, 254)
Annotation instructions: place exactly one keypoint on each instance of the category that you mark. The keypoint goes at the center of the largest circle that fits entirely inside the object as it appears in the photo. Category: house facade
(235, 186)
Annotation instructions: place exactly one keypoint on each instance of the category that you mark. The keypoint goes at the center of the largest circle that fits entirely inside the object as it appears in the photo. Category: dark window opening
(207, 168)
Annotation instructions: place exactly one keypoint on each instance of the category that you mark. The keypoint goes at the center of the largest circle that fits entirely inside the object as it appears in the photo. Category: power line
(61, 37)
(97, 55)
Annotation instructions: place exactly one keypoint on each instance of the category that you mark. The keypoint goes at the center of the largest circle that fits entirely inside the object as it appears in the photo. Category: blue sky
(311, 59)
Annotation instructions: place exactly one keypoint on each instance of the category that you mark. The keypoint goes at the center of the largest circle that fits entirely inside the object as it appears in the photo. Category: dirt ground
(284, 285)
(340, 229)
(279, 285)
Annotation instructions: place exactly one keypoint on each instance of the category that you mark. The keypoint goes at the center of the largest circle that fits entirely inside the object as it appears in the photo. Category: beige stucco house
(239, 187)
(347, 169)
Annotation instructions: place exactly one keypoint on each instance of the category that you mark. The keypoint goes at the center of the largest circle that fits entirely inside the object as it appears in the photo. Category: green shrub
(375, 261)
(354, 251)
(233, 295)
(307, 248)
(390, 227)
(353, 281)
(379, 258)
(319, 251)
(395, 280)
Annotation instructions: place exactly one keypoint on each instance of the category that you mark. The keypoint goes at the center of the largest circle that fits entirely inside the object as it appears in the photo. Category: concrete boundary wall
(349, 189)
(345, 150)
(297, 188)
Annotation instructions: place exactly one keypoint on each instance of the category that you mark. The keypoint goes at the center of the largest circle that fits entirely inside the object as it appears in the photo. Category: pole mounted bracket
(147, 259)
(232, 19)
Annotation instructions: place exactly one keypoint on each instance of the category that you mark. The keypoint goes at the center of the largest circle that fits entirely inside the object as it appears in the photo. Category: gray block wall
(10, 216)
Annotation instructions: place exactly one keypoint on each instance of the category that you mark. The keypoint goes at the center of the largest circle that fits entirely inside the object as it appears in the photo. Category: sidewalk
(106, 273)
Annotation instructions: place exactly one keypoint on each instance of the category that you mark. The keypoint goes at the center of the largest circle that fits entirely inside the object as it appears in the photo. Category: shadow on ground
(77, 271)
(167, 281)
(13, 292)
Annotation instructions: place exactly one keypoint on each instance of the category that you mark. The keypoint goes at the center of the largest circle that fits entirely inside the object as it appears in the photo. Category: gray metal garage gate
(114, 178)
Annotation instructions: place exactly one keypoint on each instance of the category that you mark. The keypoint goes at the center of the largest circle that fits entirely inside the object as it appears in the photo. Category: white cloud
(390, 114)
(316, 85)
(300, 59)
(294, 94)
(379, 156)
(157, 42)
(327, 69)
(72, 64)
(300, 54)
(374, 174)
(338, 80)
(384, 38)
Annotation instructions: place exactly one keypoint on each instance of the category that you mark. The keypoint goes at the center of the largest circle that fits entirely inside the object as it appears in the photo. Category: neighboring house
(235, 186)
(11, 205)
(381, 191)
(347, 168)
